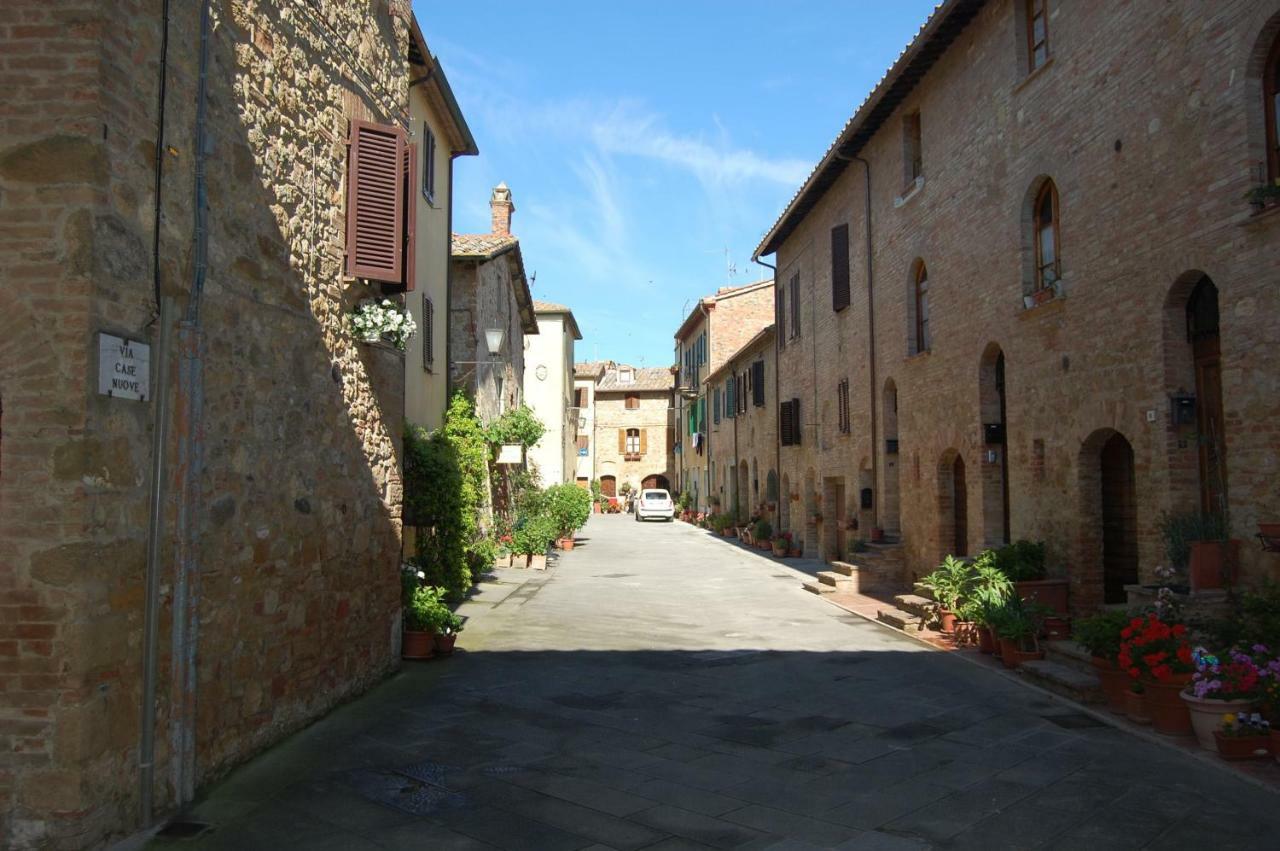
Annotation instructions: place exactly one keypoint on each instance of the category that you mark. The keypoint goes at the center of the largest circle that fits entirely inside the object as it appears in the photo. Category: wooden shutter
(428, 163)
(408, 241)
(780, 326)
(742, 393)
(622, 441)
(644, 440)
(797, 425)
(757, 383)
(784, 423)
(795, 305)
(428, 333)
(376, 173)
(840, 267)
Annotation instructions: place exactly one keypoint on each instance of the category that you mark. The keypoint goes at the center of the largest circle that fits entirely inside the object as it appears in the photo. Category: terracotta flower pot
(444, 644)
(1057, 627)
(986, 641)
(1213, 563)
(566, 543)
(1012, 656)
(1206, 715)
(1135, 707)
(417, 645)
(1169, 715)
(1242, 747)
(948, 619)
(1054, 593)
(1115, 683)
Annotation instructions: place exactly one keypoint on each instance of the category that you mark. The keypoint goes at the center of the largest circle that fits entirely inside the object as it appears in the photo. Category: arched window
(1045, 229)
(921, 289)
(1271, 85)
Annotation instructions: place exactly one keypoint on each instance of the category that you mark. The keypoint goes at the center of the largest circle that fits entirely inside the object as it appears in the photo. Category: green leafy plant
(1267, 193)
(1100, 633)
(424, 610)
(950, 582)
(762, 530)
(597, 491)
(989, 590)
(1018, 622)
(1021, 561)
(625, 488)
(720, 522)
(533, 535)
(568, 507)
(518, 425)
(1180, 531)
(434, 504)
(684, 500)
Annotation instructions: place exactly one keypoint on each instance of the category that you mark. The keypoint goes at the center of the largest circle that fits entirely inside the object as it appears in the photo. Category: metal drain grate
(183, 829)
(407, 789)
(1074, 721)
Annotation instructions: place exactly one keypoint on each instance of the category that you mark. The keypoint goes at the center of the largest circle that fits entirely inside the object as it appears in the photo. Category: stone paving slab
(663, 689)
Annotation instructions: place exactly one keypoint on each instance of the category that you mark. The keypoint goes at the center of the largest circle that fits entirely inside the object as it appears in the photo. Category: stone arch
(655, 481)
(891, 503)
(1026, 227)
(1196, 451)
(953, 505)
(995, 454)
(1265, 46)
(1107, 539)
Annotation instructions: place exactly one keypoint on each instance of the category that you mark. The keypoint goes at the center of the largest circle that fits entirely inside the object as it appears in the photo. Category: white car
(655, 503)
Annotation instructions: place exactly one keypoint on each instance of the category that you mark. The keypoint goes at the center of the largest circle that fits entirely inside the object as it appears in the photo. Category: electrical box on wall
(1182, 409)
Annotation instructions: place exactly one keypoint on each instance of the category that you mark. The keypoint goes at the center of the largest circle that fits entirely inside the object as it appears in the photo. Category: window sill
(918, 356)
(1032, 75)
(910, 192)
(1044, 308)
(1268, 215)
(1044, 298)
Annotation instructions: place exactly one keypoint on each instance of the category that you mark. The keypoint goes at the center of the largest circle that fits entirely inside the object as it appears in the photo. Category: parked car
(655, 503)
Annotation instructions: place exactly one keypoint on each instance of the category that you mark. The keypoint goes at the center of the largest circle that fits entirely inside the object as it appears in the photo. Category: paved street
(662, 689)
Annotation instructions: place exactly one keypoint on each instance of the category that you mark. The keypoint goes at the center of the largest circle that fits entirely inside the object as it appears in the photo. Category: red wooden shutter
(375, 202)
(410, 214)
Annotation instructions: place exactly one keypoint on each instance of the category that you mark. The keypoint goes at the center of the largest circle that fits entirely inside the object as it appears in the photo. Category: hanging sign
(511, 453)
(124, 368)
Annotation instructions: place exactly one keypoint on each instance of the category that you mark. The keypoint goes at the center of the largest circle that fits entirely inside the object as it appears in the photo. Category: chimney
(501, 207)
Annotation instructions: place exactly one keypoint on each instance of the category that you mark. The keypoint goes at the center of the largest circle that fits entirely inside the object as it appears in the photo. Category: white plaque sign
(124, 368)
(511, 453)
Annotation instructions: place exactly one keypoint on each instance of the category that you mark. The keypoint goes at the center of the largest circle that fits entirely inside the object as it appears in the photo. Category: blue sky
(642, 140)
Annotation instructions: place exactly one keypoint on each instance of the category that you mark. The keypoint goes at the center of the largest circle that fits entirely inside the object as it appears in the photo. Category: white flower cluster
(384, 321)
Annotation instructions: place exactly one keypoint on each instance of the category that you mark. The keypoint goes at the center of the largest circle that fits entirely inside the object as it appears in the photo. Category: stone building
(490, 305)
(206, 351)
(633, 428)
(549, 391)
(743, 430)
(585, 377)
(718, 326)
(1022, 295)
(438, 128)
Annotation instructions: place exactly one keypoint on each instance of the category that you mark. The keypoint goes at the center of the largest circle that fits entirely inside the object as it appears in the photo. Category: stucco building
(633, 428)
(489, 302)
(1022, 295)
(200, 485)
(716, 327)
(585, 377)
(549, 391)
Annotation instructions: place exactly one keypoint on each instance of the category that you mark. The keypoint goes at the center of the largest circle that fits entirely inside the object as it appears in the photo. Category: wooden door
(1119, 519)
(1202, 329)
(608, 486)
(960, 503)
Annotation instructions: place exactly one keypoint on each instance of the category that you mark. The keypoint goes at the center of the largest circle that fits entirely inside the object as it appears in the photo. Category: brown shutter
(410, 215)
(840, 267)
(375, 202)
(622, 441)
(644, 440)
(784, 423)
(428, 333)
(797, 425)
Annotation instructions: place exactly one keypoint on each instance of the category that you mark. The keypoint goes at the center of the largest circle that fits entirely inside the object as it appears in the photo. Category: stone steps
(1069, 653)
(865, 577)
(818, 588)
(898, 619)
(839, 581)
(915, 604)
(1064, 680)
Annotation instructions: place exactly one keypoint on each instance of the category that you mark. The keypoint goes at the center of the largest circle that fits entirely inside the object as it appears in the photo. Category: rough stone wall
(653, 418)
(1152, 143)
(750, 437)
(484, 297)
(295, 530)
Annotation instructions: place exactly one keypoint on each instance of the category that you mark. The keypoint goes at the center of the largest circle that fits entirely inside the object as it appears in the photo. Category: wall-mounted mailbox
(1183, 409)
(993, 433)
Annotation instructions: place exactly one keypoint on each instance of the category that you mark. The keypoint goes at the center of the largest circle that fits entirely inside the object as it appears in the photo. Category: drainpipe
(159, 440)
(777, 367)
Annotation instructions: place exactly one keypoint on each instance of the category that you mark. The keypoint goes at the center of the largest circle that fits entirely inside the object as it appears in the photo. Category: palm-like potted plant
(949, 584)
(989, 590)
(1017, 625)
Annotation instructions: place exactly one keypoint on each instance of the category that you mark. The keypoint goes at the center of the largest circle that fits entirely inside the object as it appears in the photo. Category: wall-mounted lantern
(493, 338)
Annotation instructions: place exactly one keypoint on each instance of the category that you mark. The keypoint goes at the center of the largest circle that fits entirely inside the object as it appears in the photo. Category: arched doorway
(1119, 518)
(890, 513)
(953, 507)
(995, 454)
(608, 486)
(1206, 355)
(655, 482)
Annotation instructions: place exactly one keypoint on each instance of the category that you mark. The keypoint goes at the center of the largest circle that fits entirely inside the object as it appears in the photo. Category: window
(428, 164)
(715, 406)
(428, 333)
(381, 168)
(730, 399)
(1037, 33)
(633, 401)
(757, 384)
(789, 423)
(580, 398)
(839, 267)
(795, 305)
(842, 404)
(1272, 87)
(922, 308)
(741, 393)
(626, 376)
(584, 444)
(633, 441)
(1048, 267)
(780, 296)
(912, 149)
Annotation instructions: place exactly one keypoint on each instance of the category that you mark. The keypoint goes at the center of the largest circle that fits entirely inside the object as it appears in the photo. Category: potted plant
(990, 590)
(762, 532)
(1229, 685)
(374, 321)
(1243, 736)
(1023, 562)
(949, 584)
(532, 538)
(1263, 197)
(1017, 625)
(1157, 654)
(1269, 699)
(1100, 635)
(781, 543)
(421, 607)
(1199, 543)
(448, 625)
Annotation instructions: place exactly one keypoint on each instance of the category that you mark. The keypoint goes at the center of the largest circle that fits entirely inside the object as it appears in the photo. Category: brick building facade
(277, 530)
(633, 442)
(1030, 259)
(743, 430)
(718, 326)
